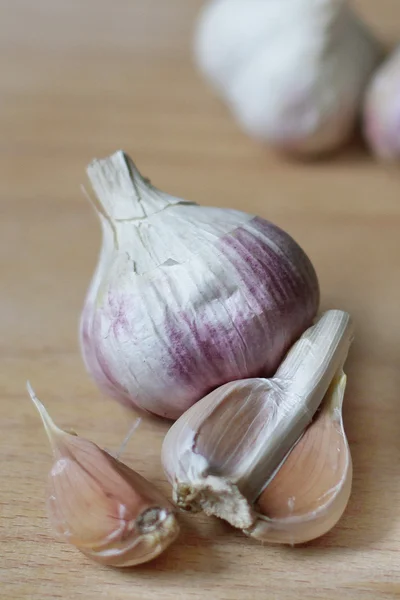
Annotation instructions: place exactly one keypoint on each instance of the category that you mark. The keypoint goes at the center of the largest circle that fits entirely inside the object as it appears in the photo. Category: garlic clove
(381, 114)
(292, 73)
(310, 492)
(214, 444)
(224, 451)
(100, 506)
(186, 298)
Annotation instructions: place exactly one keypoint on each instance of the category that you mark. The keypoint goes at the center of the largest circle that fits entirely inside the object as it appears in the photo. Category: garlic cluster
(381, 116)
(102, 507)
(185, 297)
(293, 72)
(270, 455)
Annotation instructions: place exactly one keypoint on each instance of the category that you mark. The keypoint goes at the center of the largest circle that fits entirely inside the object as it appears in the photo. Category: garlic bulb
(228, 451)
(382, 110)
(292, 71)
(186, 297)
(100, 506)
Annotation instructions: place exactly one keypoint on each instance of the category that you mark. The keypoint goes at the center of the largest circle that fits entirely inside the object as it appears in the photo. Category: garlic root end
(216, 496)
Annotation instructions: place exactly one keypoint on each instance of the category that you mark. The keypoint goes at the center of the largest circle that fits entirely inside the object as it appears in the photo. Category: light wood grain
(80, 80)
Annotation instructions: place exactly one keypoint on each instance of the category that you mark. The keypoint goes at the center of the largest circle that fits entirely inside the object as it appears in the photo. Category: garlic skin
(293, 72)
(225, 451)
(186, 297)
(381, 116)
(309, 493)
(102, 507)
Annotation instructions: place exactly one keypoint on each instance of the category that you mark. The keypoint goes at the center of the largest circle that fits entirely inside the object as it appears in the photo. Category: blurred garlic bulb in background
(186, 297)
(99, 505)
(270, 455)
(382, 110)
(292, 71)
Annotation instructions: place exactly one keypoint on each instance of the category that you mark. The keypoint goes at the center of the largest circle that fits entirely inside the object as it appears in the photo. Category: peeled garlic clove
(310, 491)
(102, 507)
(293, 72)
(381, 116)
(225, 450)
(186, 297)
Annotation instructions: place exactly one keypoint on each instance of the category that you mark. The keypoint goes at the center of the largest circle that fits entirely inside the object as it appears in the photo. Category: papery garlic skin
(381, 117)
(126, 522)
(92, 356)
(186, 297)
(224, 451)
(293, 72)
(102, 507)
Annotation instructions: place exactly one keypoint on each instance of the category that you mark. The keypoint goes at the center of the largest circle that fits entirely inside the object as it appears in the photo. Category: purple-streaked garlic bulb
(185, 297)
(382, 110)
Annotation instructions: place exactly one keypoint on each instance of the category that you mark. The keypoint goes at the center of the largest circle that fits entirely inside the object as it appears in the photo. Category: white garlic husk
(186, 297)
(381, 116)
(258, 454)
(293, 72)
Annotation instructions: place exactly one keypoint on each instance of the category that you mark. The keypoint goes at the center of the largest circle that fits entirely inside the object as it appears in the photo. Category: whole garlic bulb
(292, 71)
(381, 116)
(186, 297)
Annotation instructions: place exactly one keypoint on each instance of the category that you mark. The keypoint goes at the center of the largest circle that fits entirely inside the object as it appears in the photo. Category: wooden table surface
(80, 80)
